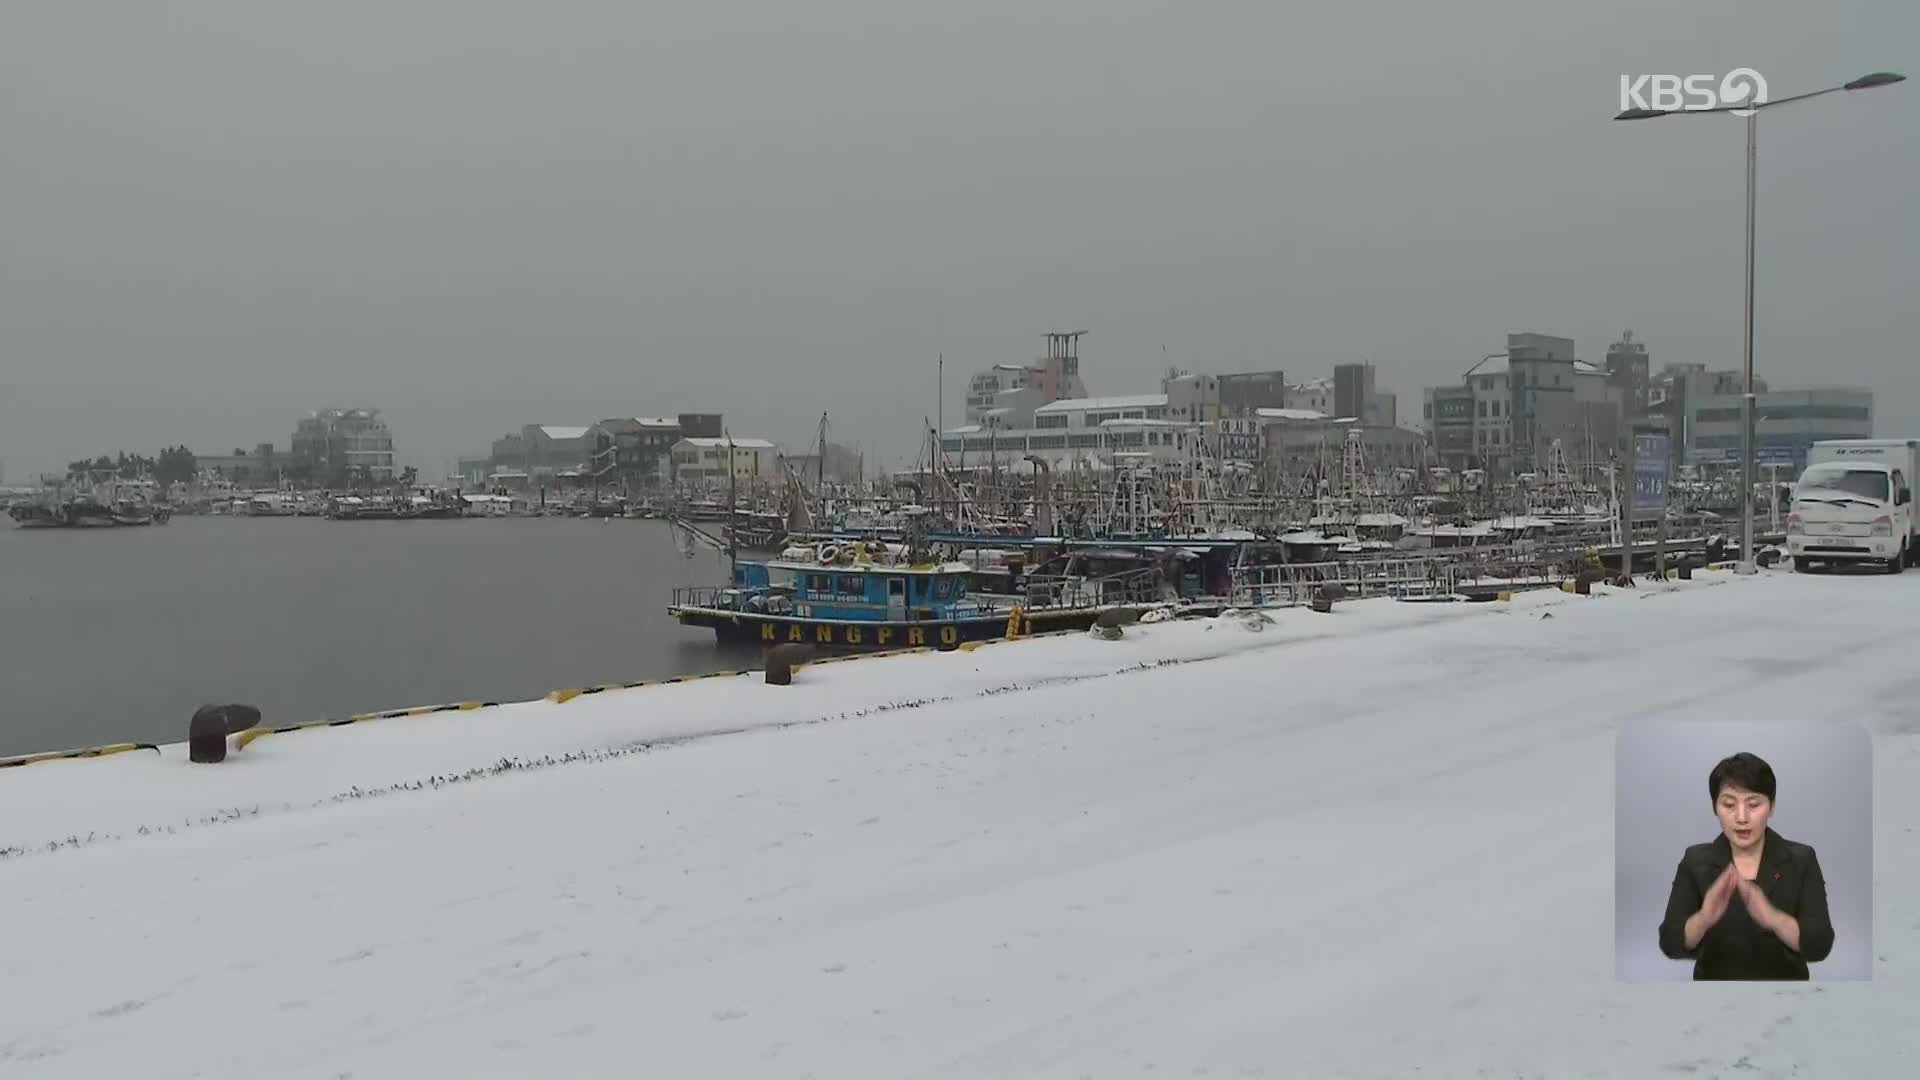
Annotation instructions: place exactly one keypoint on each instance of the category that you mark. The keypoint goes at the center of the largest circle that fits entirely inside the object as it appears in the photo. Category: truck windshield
(1842, 480)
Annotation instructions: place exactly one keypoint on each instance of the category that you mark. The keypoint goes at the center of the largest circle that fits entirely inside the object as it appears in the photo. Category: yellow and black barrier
(254, 734)
(561, 697)
(69, 755)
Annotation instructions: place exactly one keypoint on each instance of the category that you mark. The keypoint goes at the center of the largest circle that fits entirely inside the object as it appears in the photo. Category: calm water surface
(113, 635)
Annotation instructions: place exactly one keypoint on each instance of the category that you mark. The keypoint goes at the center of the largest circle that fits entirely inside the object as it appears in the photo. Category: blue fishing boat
(853, 597)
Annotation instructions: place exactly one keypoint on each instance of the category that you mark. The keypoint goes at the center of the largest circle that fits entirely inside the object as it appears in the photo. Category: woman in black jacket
(1751, 904)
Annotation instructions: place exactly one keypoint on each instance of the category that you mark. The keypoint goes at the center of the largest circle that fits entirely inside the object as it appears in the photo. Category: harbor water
(117, 635)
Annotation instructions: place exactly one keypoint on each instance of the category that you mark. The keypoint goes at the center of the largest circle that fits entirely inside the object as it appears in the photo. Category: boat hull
(861, 636)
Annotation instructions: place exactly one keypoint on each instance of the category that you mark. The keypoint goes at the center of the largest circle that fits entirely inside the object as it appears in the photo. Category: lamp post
(1752, 111)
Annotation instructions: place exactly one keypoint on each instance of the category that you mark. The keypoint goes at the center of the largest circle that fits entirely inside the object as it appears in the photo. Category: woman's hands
(1713, 906)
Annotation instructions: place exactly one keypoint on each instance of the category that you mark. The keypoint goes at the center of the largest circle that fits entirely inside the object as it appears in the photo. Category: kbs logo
(1692, 93)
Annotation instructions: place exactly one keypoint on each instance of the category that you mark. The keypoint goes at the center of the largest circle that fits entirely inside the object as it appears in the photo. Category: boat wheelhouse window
(853, 585)
(819, 584)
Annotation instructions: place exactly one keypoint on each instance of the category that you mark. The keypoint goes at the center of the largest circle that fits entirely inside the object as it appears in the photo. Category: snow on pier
(1371, 843)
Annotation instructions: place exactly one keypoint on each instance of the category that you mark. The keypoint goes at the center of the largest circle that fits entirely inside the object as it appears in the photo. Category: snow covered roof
(556, 431)
(1581, 367)
(1101, 404)
(738, 444)
(1290, 414)
(1492, 365)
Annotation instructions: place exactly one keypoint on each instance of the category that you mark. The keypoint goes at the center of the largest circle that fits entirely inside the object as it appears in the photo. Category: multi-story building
(986, 387)
(1192, 397)
(1243, 392)
(1451, 425)
(1629, 372)
(1089, 412)
(1005, 395)
(544, 453)
(1512, 407)
(643, 445)
(336, 448)
(1675, 392)
(1315, 395)
(1350, 392)
(1786, 423)
(703, 460)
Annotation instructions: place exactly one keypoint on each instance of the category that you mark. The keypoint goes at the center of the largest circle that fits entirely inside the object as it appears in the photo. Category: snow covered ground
(1376, 843)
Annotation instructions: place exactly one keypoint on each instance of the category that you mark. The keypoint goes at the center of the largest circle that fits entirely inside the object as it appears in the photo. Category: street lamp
(1752, 110)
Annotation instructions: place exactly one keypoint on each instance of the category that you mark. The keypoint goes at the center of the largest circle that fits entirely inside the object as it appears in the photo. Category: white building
(1078, 433)
(1192, 398)
(1006, 394)
(1089, 412)
(985, 388)
(1786, 424)
(700, 460)
(1314, 396)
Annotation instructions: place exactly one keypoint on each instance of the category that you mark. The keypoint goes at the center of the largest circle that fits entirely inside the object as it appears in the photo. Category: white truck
(1854, 503)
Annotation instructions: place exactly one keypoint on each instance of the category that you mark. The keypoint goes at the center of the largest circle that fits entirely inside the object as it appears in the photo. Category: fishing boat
(109, 505)
(858, 596)
(849, 599)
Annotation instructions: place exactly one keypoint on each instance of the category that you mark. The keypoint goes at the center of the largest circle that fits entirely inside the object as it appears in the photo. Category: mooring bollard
(1325, 595)
(1767, 557)
(207, 735)
(1107, 625)
(782, 659)
(211, 724)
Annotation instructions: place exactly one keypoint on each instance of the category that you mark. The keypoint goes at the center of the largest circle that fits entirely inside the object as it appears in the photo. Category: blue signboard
(1649, 473)
(1777, 455)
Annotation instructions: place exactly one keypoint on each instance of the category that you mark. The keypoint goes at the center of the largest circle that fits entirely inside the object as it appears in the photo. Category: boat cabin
(864, 593)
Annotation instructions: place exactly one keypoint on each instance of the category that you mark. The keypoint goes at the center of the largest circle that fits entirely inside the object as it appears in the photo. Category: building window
(1482, 403)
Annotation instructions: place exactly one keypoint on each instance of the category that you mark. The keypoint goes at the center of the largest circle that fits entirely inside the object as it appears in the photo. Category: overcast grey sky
(476, 214)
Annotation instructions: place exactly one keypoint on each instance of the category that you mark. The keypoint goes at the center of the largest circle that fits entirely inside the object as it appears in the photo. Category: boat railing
(1063, 591)
(1288, 584)
(707, 596)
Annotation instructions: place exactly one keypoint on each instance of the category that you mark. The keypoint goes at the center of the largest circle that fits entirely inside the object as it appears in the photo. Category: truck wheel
(1802, 564)
(1898, 562)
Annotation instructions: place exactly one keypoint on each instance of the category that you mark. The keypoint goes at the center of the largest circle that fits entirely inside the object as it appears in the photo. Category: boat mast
(733, 512)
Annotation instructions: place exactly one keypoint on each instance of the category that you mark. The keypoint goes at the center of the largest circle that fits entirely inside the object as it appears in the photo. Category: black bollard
(241, 717)
(783, 659)
(207, 735)
(1325, 595)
